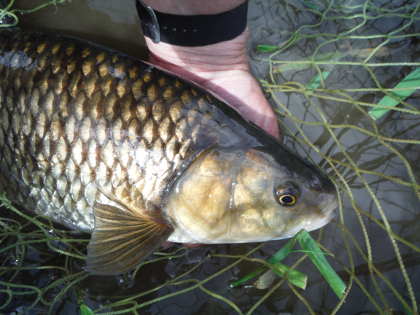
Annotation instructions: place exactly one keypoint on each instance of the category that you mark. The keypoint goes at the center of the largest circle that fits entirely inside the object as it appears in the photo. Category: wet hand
(222, 69)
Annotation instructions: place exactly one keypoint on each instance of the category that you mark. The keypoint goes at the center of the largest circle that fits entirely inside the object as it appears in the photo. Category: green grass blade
(316, 80)
(85, 310)
(282, 252)
(247, 277)
(311, 5)
(267, 48)
(316, 255)
(411, 83)
(273, 260)
(295, 277)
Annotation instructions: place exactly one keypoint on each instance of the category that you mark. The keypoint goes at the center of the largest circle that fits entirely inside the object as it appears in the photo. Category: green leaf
(294, 276)
(85, 310)
(277, 257)
(247, 277)
(411, 82)
(282, 252)
(267, 48)
(316, 255)
(316, 80)
(311, 5)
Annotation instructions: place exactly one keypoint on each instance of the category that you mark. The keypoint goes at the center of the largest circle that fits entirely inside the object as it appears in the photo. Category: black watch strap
(192, 30)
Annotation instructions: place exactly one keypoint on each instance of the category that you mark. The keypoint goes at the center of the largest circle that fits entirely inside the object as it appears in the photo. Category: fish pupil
(287, 199)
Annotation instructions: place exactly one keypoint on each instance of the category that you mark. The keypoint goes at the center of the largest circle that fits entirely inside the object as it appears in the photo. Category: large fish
(108, 144)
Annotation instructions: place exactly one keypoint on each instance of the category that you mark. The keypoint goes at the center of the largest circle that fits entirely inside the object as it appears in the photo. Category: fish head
(248, 195)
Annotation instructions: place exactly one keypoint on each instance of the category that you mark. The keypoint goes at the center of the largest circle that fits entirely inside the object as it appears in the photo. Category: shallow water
(272, 22)
(111, 23)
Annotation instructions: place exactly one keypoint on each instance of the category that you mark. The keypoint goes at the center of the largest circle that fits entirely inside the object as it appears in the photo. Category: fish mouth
(327, 208)
(328, 205)
(325, 214)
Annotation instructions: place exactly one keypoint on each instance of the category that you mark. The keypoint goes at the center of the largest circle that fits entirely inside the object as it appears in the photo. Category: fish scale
(75, 117)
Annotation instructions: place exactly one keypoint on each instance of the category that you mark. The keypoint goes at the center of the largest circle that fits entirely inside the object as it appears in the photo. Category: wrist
(204, 61)
(185, 26)
(193, 7)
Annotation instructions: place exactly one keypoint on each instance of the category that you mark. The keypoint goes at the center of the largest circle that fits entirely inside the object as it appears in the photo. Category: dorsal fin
(122, 238)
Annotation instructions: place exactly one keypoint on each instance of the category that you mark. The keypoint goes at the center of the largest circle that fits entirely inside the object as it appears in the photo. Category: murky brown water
(114, 23)
(111, 23)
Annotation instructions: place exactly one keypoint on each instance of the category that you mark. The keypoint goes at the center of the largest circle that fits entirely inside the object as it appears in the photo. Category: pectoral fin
(121, 239)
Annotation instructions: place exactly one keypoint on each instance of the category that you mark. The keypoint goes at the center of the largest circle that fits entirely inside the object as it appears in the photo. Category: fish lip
(327, 213)
(329, 205)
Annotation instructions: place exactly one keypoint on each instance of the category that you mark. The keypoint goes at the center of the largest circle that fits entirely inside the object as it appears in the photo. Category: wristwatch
(192, 30)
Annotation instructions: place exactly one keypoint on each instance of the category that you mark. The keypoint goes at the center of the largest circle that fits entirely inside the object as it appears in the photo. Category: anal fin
(122, 238)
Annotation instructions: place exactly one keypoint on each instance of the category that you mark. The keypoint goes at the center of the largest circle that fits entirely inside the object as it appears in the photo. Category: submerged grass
(316, 255)
(323, 81)
(9, 16)
(327, 92)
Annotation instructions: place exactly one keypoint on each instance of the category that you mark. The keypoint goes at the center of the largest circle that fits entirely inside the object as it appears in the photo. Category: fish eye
(287, 195)
(287, 200)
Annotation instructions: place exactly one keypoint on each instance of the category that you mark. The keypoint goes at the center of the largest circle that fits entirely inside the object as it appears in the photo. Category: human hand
(222, 69)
